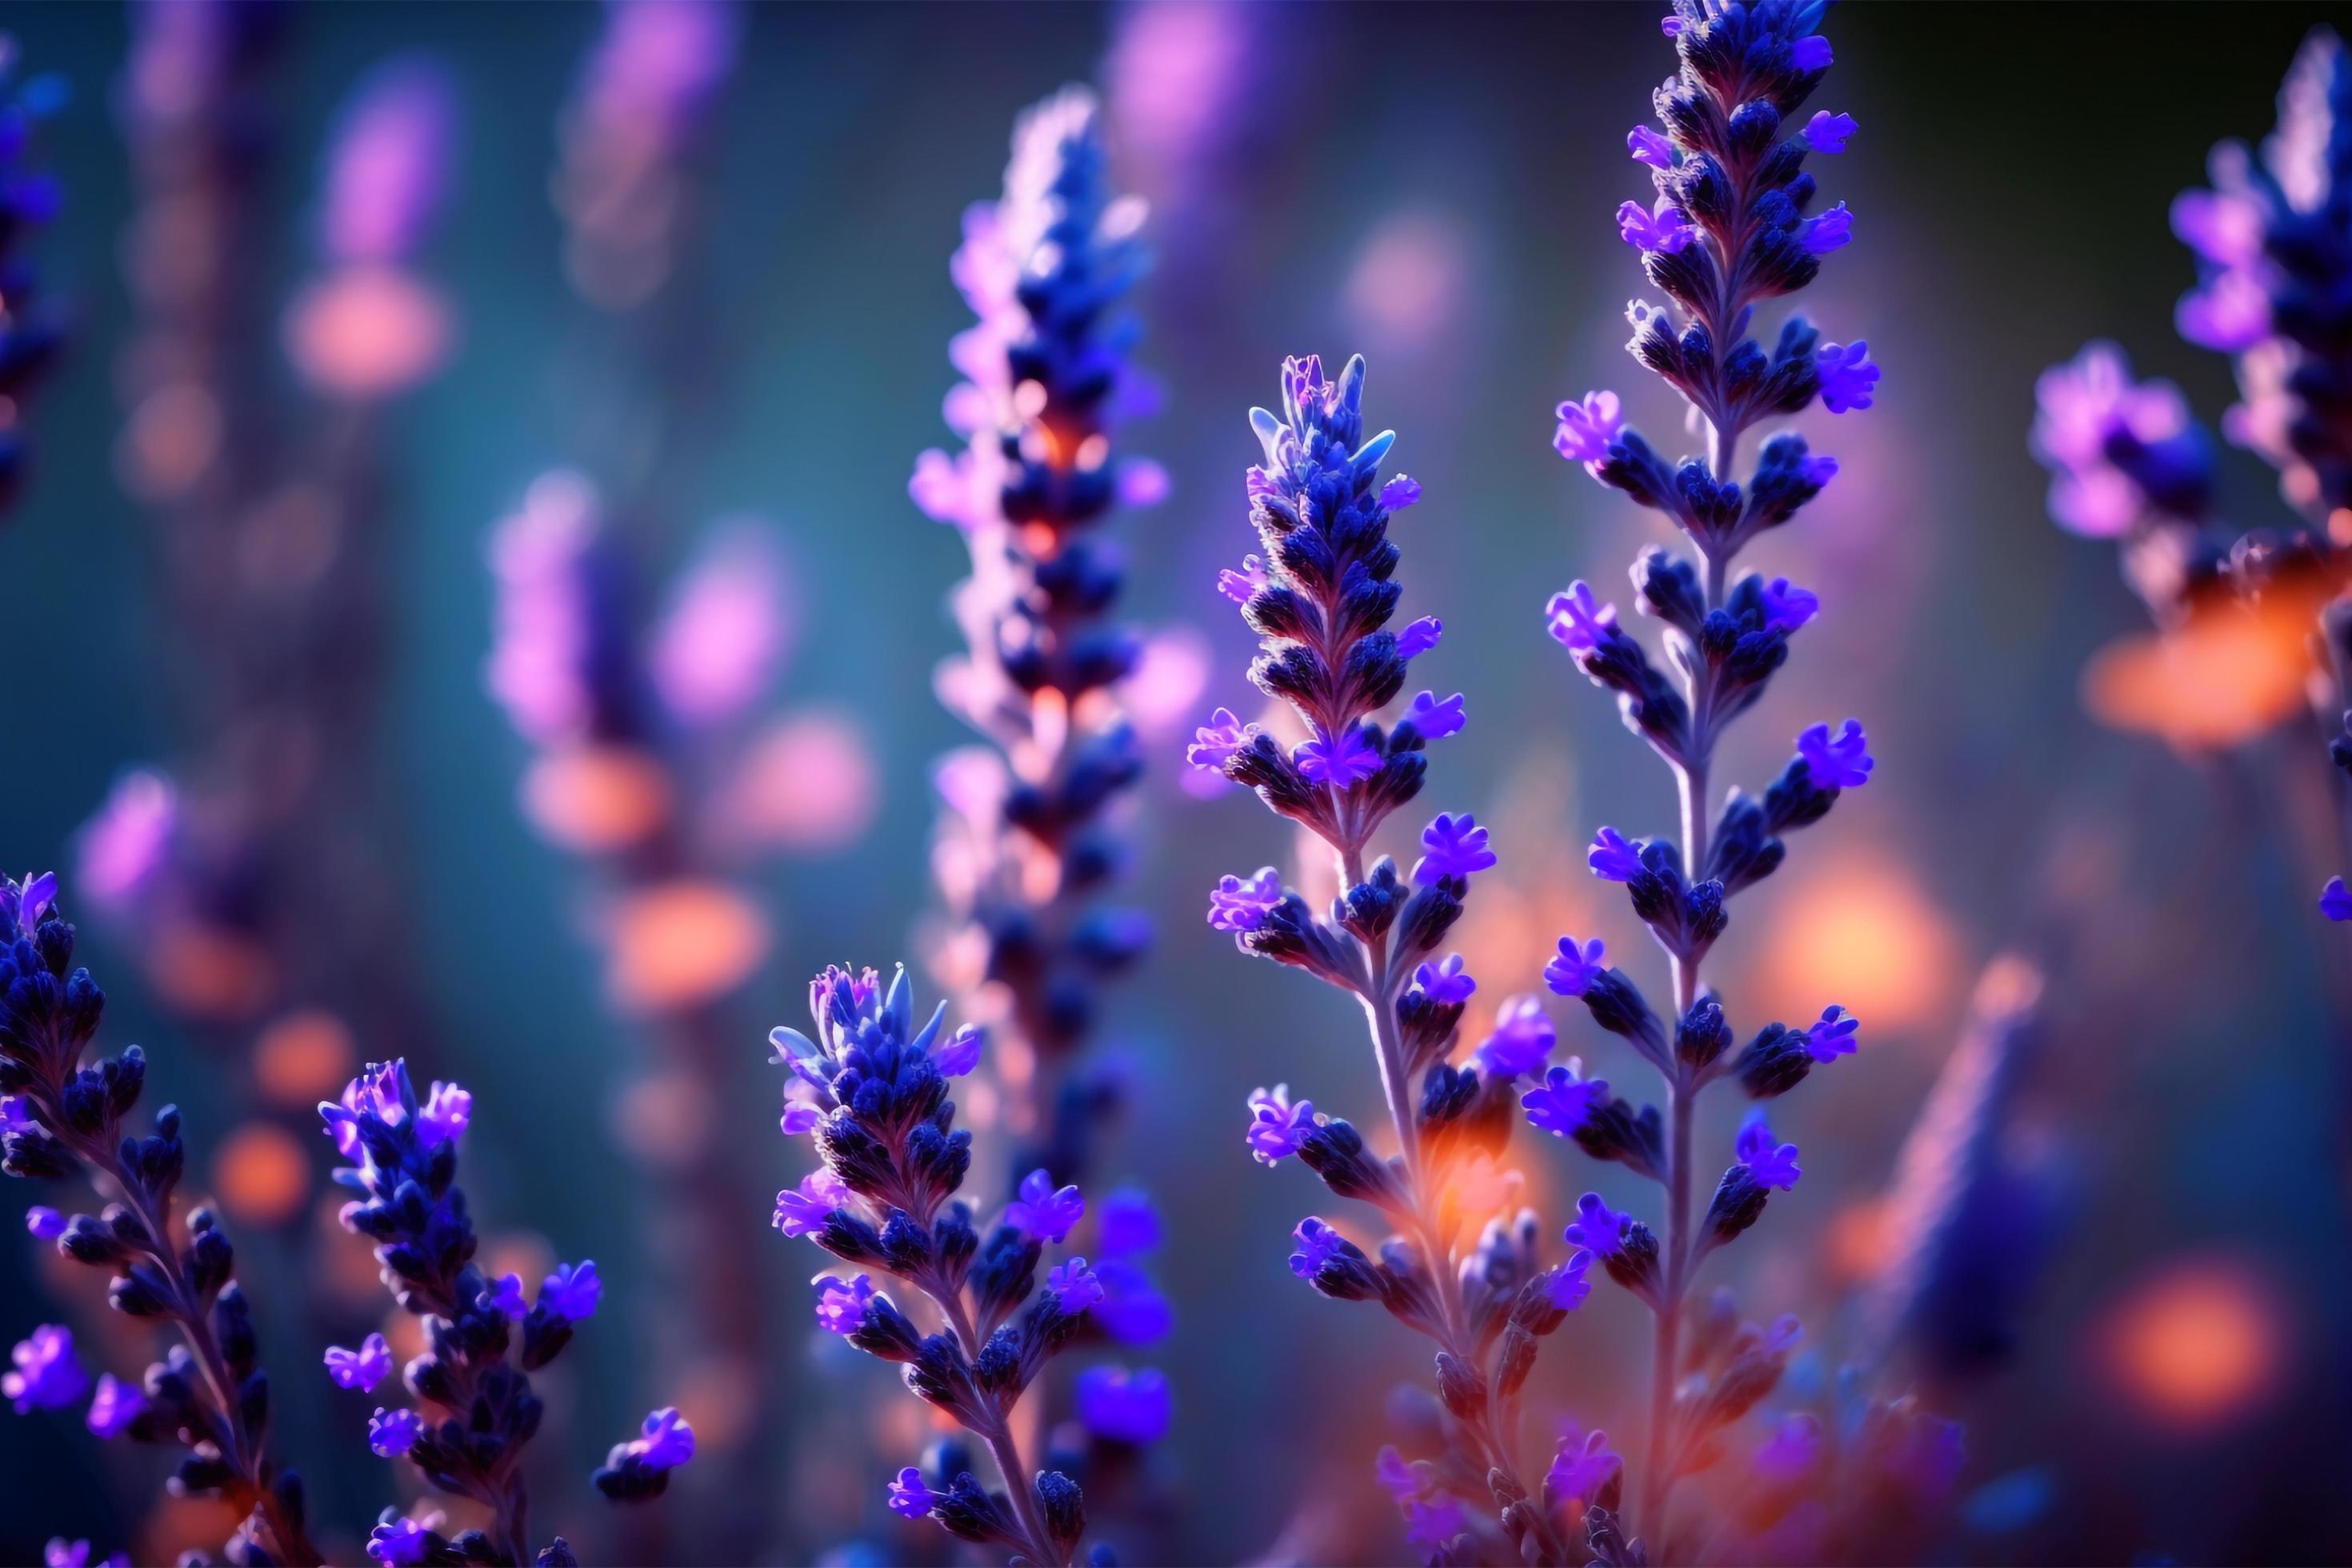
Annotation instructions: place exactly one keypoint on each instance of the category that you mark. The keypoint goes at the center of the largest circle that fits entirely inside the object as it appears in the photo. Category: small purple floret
(1773, 1165)
(1587, 427)
(1565, 1100)
(1446, 981)
(1848, 378)
(1277, 1127)
(1833, 1035)
(1316, 1243)
(1577, 620)
(1455, 848)
(1238, 906)
(392, 1431)
(1577, 967)
(841, 1305)
(1613, 857)
(1436, 720)
(1044, 1212)
(1827, 134)
(909, 1498)
(360, 1368)
(114, 1407)
(1840, 762)
(1418, 636)
(1597, 1226)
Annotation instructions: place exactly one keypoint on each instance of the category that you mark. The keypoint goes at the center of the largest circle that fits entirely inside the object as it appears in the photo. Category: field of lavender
(1781, 576)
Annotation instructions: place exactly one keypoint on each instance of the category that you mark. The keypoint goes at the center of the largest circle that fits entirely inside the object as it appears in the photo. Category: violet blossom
(1322, 515)
(1737, 223)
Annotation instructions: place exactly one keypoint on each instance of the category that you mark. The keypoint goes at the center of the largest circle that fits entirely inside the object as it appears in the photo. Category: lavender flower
(394, 1432)
(1050, 385)
(114, 1407)
(1322, 611)
(361, 1369)
(1745, 228)
(1133, 1409)
(2273, 244)
(1279, 1127)
(57, 1117)
(889, 1139)
(47, 1375)
(477, 1408)
(32, 330)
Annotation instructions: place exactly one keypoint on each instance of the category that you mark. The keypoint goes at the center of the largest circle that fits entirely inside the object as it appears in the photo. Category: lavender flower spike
(1322, 610)
(893, 1154)
(1025, 864)
(58, 1117)
(1730, 169)
(476, 1409)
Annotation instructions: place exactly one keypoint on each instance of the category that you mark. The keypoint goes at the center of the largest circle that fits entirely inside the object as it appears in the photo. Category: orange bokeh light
(682, 944)
(207, 971)
(2228, 673)
(367, 332)
(810, 784)
(1860, 931)
(2196, 1346)
(261, 1175)
(303, 1057)
(596, 800)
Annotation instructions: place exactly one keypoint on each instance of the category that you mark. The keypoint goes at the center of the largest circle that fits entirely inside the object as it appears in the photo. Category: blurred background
(698, 271)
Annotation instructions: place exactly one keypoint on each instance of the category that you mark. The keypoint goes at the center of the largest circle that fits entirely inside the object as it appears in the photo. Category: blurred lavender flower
(636, 117)
(477, 1408)
(368, 327)
(1027, 842)
(57, 1117)
(388, 162)
(888, 1142)
(1728, 231)
(47, 1373)
(2273, 243)
(1322, 611)
(32, 327)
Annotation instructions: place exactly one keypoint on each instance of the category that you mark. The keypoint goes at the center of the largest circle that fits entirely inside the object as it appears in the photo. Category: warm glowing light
(177, 1525)
(1858, 929)
(596, 800)
(1859, 1242)
(718, 1397)
(2230, 673)
(208, 973)
(2196, 1346)
(302, 1058)
(367, 332)
(261, 1175)
(169, 442)
(682, 944)
(810, 784)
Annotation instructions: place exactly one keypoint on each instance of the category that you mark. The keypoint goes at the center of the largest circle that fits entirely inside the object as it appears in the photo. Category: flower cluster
(60, 1116)
(476, 1409)
(630, 131)
(1737, 222)
(369, 326)
(1321, 598)
(30, 329)
(2273, 242)
(1027, 845)
(872, 1092)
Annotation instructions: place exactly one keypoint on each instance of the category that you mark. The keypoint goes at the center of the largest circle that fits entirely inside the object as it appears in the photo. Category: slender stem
(1003, 1445)
(1388, 1047)
(107, 1170)
(1691, 777)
